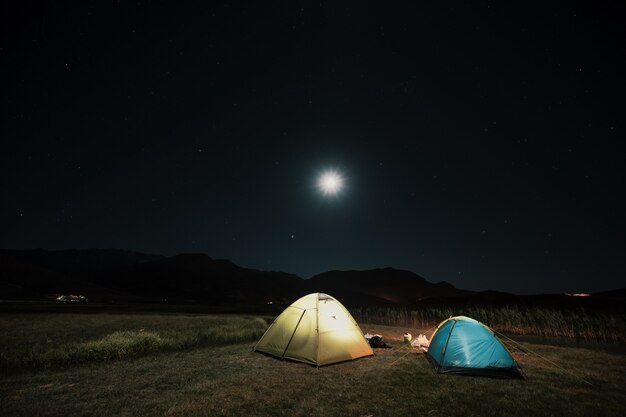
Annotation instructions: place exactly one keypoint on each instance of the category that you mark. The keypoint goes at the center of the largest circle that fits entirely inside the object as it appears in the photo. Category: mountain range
(119, 276)
(112, 275)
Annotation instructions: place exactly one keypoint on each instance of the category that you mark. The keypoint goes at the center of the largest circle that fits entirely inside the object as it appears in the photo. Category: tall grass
(48, 340)
(518, 320)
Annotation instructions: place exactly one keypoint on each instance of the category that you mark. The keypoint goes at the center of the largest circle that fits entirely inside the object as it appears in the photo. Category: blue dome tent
(462, 345)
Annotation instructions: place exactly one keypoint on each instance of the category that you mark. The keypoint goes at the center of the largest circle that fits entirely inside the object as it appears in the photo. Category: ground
(232, 380)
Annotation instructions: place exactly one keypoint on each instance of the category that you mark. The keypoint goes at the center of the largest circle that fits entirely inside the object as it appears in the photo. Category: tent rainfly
(462, 345)
(316, 329)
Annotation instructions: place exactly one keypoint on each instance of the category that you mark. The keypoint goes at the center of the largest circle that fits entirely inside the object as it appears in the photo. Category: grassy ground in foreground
(233, 381)
(53, 340)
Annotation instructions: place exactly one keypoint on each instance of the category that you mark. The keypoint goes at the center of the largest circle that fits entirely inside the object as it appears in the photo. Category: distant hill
(78, 260)
(620, 293)
(40, 274)
(117, 275)
(198, 278)
(396, 286)
(112, 275)
(614, 300)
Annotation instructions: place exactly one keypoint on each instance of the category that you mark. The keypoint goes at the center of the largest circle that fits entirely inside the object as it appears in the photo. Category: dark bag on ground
(377, 342)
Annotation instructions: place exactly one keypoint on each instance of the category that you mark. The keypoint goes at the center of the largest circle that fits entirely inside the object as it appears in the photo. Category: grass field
(48, 340)
(224, 378)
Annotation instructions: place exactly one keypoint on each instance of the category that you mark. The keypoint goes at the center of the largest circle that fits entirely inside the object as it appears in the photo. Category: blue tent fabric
(462, 345)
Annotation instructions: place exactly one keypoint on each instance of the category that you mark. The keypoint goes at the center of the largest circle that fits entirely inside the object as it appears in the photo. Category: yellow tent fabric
(316, 329)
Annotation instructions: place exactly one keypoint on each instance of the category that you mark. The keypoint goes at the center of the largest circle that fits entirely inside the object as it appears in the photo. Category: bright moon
(330, 183)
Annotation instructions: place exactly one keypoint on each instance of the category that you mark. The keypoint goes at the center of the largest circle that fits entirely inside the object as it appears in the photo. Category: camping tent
(315, 329)
(462, 345)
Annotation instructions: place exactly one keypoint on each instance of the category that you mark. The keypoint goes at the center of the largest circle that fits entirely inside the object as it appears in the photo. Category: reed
(515, 320)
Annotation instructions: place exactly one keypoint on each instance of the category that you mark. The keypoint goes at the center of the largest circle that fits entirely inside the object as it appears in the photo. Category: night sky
(478, 143)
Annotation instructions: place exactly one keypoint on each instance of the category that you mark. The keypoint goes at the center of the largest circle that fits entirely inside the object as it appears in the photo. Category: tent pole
(445, 347)
(292, 334)
(317, 327)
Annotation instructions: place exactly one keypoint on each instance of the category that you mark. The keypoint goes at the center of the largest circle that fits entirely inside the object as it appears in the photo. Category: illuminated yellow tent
(315, 329)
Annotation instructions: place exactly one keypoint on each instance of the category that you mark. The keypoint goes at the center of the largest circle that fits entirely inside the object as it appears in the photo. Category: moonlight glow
(330, 183)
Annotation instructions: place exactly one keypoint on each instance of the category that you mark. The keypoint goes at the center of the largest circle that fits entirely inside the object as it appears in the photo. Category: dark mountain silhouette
(112, 275)
(117, 275)
(74, 261)
(198, 278)
(40, 274)
(396, 286)
(607, 300)
(619, 293)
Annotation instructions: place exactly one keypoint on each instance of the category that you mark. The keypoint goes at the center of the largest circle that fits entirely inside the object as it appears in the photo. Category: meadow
(205, 367)
(49, 340)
